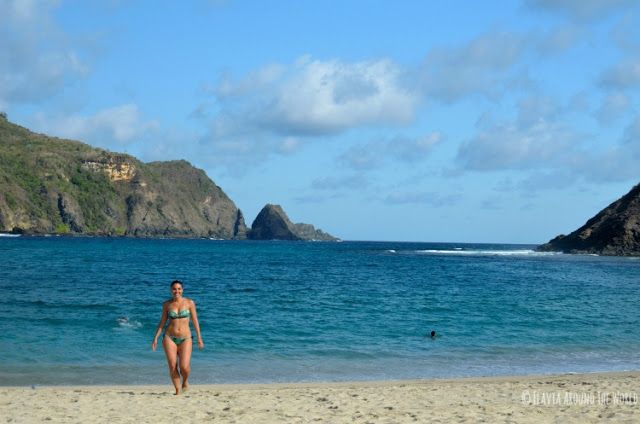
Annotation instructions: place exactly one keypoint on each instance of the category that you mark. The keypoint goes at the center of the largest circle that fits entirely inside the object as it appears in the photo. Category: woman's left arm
(196, 324)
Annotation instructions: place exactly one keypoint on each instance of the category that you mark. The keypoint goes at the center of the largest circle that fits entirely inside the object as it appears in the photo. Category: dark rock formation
(70, 213)
(272, 223)
(239, 227)
(50, 185)
(613, 231)
(182, 201)
(309, 232)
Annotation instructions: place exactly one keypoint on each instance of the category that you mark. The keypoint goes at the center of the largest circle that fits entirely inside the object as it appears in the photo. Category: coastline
(592, 397)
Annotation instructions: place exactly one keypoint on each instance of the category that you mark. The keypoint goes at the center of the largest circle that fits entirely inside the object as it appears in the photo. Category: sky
(506, 121)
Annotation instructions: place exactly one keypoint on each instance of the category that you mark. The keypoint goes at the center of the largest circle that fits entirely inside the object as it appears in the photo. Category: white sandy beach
(579, 398)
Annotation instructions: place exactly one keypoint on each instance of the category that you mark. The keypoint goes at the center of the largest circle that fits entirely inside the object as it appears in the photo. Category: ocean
(84, 310)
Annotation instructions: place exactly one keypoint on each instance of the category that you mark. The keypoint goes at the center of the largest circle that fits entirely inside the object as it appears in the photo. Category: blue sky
(493, 121)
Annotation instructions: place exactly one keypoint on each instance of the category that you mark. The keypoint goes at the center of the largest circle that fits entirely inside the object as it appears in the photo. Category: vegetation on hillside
(51, 185)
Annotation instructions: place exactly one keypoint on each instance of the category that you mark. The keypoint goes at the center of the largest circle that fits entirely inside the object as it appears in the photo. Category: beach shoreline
(590, 397)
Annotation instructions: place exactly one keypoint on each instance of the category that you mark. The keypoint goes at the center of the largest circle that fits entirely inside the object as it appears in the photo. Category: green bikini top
(181, 314)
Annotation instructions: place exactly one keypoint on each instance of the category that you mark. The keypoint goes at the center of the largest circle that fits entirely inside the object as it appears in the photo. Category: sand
(579, 398)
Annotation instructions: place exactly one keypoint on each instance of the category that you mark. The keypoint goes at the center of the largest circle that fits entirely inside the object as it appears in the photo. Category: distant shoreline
(174, 237)
(115, 236)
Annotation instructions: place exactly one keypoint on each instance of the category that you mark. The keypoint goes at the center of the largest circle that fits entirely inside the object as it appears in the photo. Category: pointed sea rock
(272, 223)
(614, 231)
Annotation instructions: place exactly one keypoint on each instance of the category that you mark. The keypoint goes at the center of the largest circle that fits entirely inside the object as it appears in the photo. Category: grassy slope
(51, 185)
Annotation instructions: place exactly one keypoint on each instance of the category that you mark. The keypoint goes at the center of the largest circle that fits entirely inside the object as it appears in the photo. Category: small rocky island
(272, 223)
(614, 231)
(53, 186)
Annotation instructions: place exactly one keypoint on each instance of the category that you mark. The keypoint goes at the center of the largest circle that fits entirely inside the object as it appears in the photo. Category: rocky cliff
(272, 223)
(613, 231)
(51, 185)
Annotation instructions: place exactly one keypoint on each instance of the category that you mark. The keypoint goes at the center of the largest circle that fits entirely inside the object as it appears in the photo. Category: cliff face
(613, 231)
(272, 223)
(50, 185)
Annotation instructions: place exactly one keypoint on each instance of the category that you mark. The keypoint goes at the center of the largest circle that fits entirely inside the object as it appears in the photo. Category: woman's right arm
(163, 319)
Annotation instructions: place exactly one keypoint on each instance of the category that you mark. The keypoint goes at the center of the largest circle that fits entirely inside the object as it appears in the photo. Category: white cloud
(616, 163)
(581, 10)
(242, 153)
(315, 198)
(277, 108)
(536, 109)
(477, 67)
(491, 63)
(625, 33)
(579, 102)
(555, 154)
(624, 75)
(24, 12)
(509, 147)
(632, 134)
(556, 179)
(376, 153)
(420, 197)
(109, 128)
(333, 183)
(413, 149)
(363, 157)
(560, 39)
(614, 106)
(313, 97)
(36, 59)
(227, 88)
(289, 145)
(535, 140)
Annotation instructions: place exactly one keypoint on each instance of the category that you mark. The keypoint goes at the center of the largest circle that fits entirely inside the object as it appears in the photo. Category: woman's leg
(184, 353)
(171, 351)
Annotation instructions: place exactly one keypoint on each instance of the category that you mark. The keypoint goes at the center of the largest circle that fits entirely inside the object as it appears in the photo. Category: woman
(177, 341)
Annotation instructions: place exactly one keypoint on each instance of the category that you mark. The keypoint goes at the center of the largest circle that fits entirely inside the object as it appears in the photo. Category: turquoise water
(84, 310)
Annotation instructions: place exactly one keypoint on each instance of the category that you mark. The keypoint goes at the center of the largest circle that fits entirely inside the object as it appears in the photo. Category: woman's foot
(185, 387)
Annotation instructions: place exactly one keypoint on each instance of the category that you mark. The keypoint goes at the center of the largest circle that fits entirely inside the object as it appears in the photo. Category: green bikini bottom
(177, 340)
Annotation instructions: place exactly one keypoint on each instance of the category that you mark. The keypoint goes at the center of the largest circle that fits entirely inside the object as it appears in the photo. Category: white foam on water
(125, 322)
(459, 251)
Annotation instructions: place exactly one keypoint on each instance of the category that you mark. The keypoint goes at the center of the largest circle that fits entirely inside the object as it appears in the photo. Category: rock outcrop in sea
(613, 231)
(272, 223)
(50, 185)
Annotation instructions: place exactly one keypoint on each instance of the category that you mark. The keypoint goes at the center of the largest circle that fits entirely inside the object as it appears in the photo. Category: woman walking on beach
(177, 341)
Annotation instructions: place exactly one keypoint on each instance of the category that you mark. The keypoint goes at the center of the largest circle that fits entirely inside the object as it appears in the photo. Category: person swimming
(433, 334)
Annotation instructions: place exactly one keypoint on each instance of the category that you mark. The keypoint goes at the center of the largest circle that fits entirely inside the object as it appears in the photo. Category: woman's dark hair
(176, 282)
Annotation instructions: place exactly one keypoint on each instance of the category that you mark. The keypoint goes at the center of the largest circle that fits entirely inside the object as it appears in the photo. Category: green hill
(51, 185)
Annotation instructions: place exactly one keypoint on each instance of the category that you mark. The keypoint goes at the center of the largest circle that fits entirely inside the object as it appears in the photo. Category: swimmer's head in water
(433, 333)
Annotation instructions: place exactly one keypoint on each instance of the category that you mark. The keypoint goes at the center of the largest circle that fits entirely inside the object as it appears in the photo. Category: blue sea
(84, 310)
